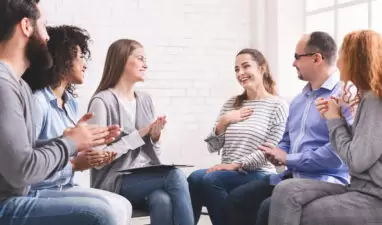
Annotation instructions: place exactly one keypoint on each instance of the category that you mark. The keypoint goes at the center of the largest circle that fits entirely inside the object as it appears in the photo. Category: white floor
(204, 220)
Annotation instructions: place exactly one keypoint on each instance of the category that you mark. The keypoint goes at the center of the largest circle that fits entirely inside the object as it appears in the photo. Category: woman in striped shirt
(245, 122)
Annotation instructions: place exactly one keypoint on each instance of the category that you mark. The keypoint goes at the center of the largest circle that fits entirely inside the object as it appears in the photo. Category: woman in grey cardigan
(164, 191)
(298, 201)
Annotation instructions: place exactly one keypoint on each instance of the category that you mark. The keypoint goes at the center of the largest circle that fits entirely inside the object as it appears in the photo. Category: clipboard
(154, 168)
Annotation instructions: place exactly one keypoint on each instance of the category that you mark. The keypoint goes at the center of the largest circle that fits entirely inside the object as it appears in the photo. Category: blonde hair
(115, 62)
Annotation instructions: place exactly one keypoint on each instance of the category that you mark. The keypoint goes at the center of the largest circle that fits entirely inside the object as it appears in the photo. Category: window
(322, 22)
(351, 18)
(344, 1)
(376, 16)
(339, 17)
(336, 17)
(318, 4)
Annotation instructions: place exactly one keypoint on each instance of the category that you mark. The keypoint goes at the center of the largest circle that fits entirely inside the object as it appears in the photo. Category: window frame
(335, 8)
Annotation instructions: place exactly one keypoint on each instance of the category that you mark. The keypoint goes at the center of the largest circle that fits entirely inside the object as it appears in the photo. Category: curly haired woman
(57, 110)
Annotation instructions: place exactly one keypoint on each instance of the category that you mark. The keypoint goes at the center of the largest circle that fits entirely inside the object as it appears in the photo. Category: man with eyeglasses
(305, 148)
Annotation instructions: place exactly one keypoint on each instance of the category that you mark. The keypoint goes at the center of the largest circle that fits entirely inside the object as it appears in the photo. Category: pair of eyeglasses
(298, 56)
(142, 58)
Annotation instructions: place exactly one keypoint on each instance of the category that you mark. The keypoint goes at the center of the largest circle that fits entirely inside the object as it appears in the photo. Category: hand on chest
(257, 124)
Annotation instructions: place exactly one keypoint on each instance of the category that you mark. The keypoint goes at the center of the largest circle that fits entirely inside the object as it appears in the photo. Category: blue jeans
(166, 193)
(249, 203)
(211, 189)
(120, 206)
(57, 211)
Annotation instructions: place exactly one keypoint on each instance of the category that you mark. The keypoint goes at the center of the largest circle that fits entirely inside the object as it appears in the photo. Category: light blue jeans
(56, 210)
(120, 206)
(164, 191)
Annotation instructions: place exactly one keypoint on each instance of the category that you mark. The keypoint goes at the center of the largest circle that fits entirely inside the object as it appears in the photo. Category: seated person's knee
(160, 198)
(97, 212)
(195, 177)
(210, 179)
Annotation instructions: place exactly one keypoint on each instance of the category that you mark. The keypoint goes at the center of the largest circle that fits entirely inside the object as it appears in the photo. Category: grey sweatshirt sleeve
(130, 142)
(20, 163)
(361, 149)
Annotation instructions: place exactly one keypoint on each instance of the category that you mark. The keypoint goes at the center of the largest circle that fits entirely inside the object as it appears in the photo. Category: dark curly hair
(62, 46)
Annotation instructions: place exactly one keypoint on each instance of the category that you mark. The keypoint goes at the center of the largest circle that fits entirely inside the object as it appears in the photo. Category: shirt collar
(52, 97)
(329, 84)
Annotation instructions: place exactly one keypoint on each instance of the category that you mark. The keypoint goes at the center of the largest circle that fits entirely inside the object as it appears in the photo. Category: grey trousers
(307, 202)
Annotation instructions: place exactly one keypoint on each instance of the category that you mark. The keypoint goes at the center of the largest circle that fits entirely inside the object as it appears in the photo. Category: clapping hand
(157, 127)
(329, 108)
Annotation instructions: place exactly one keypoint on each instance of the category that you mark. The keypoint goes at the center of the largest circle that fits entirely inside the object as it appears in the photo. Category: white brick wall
(191, 47)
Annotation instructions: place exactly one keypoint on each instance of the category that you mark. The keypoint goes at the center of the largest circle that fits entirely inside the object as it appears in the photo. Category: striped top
(241, 140)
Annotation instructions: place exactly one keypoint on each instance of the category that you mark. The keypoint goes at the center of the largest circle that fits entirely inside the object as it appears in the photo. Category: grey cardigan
(361, 146)
(108, 110)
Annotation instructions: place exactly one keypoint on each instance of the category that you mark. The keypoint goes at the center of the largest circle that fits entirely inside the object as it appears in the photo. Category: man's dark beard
(40, 60)
(37, 53)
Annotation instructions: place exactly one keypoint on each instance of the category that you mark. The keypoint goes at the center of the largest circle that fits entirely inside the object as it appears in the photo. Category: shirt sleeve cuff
(135, 140)
(213, 134)
(284, 148)
(292, 160)
(71, 146)
(68, 170)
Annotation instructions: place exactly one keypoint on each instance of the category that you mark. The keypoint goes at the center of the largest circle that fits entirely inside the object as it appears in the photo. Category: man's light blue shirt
(306, 138)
